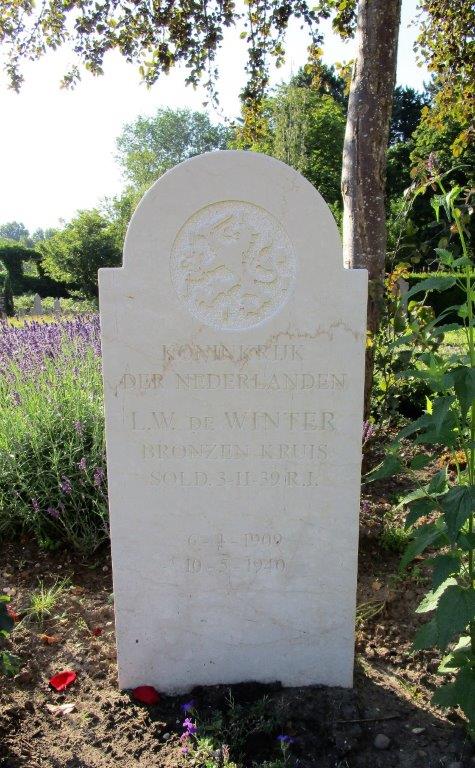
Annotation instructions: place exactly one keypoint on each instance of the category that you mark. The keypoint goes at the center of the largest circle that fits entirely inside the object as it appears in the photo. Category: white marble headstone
(233, 343)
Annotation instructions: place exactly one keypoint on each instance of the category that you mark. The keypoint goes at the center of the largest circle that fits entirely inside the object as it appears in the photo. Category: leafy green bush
(52, 455)
(74, 254)
(441, 517)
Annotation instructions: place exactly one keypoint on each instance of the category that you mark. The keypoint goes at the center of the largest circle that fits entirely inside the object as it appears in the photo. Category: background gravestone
(37, 305)
(233, 348)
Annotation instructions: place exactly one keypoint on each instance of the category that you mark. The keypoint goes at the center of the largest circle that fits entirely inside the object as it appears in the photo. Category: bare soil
(331, 727)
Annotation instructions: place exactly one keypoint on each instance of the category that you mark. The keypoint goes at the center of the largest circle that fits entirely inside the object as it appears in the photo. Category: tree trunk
(364, 154)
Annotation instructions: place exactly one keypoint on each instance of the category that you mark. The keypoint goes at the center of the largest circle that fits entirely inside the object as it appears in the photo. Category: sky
(57, 147)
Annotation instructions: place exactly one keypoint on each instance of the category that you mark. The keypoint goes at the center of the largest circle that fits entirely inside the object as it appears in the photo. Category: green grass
(44, 599)
(454, 341)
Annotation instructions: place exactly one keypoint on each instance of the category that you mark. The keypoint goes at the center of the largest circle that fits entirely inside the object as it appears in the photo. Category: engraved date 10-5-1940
(228, 564)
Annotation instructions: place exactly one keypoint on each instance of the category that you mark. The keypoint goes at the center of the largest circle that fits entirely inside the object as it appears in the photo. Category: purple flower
(53, 512)
(31, 345)
(285, 739)
(16, 398)
(99, 476)
(78, 426)
(432, 163)
(65, 486)
(187, 705)
(190, 726)
(184, 737)
(82, 464)
(368, 431)
(184, 750)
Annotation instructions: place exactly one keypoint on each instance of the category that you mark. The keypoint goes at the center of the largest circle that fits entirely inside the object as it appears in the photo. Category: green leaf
(420, 461)
(444, 255)
(6, 621)
(430, 601)
(440, 329)
(409, 429)
(436, 202)
(418, 493)
(456, 608)
(443, 567)
(440, 409)
(438, 483)
(466, 541)
(445, 696)
(457, 505)
(460, 693)
(10, 663)
(426, 636)
(426, 535)
(390, 466)
(430, 284)
(419, 508)
(440, 423)
(464, 385)
(463, 261)
(459, 657)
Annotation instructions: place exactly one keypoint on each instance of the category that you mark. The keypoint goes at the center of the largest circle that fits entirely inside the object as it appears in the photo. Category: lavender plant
(52, 455)
(441, 512)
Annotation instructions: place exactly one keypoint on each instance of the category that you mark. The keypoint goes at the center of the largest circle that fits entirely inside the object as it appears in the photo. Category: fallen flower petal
(146, 694)
(97, 631)
(12, 613)
(61, 681)
(49, 639)
(60, 709)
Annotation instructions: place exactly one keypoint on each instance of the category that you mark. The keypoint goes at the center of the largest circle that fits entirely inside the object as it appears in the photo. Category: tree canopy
(14, 230)
(304, 128)
(149, 146)
(447, 46)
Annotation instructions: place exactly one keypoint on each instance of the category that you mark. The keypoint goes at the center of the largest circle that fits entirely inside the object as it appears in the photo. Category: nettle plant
(440, 516)
(405, 326)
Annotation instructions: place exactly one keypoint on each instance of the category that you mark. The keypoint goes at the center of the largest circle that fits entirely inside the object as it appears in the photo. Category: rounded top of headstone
(233, 238)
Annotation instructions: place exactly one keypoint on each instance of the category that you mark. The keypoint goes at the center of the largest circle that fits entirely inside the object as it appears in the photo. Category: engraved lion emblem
(233, 265)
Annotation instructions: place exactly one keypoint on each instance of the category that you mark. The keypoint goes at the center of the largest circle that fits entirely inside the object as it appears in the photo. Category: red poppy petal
(61, 681)
(12, 613)
(97, 631)
(146, 694)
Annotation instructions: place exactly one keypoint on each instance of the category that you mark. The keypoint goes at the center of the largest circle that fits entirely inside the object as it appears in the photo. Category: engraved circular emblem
(233, 265)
